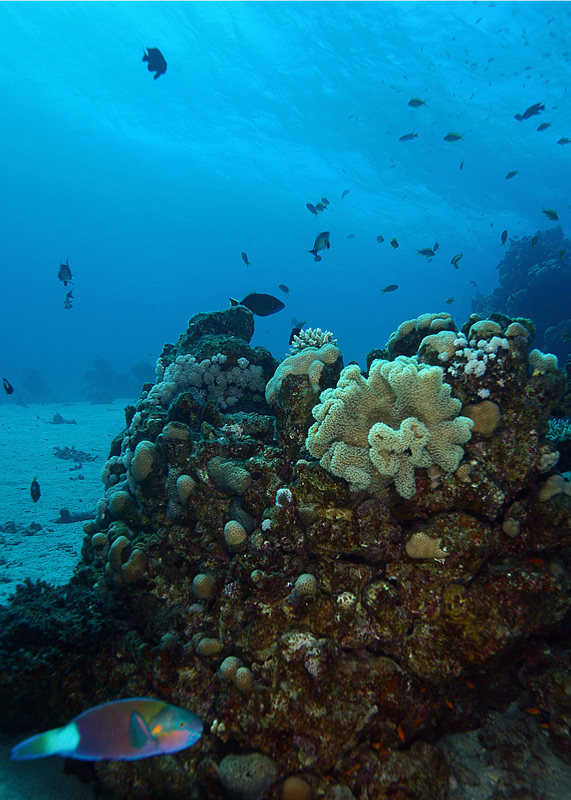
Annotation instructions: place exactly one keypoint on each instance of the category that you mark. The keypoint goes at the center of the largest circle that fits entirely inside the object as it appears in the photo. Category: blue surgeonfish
(122, 730)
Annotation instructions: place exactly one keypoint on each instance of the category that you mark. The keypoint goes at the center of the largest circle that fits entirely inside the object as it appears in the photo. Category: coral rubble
(324, 619)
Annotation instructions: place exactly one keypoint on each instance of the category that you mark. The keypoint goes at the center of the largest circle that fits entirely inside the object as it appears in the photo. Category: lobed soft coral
(376, 430)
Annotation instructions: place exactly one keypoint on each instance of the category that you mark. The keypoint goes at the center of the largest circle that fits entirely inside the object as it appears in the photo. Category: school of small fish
(263, 304)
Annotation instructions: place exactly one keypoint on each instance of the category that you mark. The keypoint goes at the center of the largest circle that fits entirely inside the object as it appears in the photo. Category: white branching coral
(311, 337)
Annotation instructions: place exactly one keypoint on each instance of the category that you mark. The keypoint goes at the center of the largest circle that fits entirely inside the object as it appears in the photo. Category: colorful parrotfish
(122, 730)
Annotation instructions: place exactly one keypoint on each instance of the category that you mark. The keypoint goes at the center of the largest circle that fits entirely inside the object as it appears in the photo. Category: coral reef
(325, 624)
(535, 281)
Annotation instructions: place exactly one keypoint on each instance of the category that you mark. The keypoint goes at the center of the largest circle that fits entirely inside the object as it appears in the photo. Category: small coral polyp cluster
(208, 380)
(329, 573)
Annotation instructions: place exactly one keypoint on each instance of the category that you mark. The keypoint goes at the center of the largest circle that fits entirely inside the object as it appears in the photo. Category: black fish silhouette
(260, 304)
(157, 63)
(64, 273)
(35, 491)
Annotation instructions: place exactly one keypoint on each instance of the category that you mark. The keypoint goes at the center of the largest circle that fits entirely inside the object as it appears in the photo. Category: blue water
(153, 188)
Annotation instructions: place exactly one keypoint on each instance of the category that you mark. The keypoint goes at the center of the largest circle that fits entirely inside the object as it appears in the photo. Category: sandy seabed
(27, 446)
(27, 443)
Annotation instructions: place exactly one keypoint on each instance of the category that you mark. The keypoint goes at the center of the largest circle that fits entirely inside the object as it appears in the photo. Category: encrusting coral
(307, 361)
(324, 609)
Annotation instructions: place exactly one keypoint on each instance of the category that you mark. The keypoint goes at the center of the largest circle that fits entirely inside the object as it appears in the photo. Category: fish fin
(234, 302)
(157, 75)
(145, 56)
(139, 732)
(58, 741)
(328, 245)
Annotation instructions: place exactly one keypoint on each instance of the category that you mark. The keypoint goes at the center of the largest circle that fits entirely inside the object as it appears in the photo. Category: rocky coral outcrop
(323, 625)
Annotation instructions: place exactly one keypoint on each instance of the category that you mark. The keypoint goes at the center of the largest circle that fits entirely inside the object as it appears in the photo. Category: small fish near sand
(157, 63)
(407, 137)
(35, 493)
(504, 239)
(260, 304)
(311, 208)
(344, 193)
(550, 214)
(453, 137)
(8, 388)
(284, 288)
(564, 140)
(435, 246)
(511, 174)
(380, 239)
(428, 252)
(543, 126)
(68, 300)
(64, 273)
(321, 243)
(245, 259)
(455, 261)
(122, 730)
(394, 244)
(536, 108)
(450, 300)
(416, 102)
(392, 287)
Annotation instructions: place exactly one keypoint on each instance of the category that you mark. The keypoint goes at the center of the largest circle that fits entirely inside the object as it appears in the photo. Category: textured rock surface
(348, 628)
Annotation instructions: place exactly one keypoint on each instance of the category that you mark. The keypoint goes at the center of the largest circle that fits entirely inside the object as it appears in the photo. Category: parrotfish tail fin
(58, 741)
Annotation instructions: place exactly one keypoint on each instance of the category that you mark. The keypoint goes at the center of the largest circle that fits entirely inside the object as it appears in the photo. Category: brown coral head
(421, 545)
(486, 416)
(511, 527)
(454, 601)
(228, 476)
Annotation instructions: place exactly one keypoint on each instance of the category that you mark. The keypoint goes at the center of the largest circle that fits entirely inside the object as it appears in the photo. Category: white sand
(27, 444)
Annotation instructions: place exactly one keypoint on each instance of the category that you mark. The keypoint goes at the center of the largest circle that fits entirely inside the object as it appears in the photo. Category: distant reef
(329, 567)
(535, 281)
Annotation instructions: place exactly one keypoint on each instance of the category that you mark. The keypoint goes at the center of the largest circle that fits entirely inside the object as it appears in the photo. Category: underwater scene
(286, 401)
